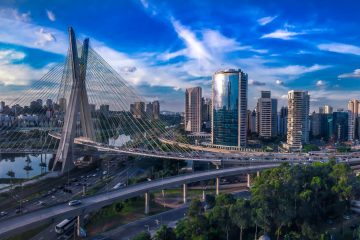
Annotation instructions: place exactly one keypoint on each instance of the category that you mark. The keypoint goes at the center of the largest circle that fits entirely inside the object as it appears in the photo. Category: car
(347, 217)
(3, 213)
(74, 202)
(104, 172)
(41, 203)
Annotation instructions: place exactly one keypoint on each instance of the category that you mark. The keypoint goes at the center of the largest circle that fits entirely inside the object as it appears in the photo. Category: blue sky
(162, 47)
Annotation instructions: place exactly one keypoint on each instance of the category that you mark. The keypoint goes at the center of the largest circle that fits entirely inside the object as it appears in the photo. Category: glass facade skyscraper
(229, 109)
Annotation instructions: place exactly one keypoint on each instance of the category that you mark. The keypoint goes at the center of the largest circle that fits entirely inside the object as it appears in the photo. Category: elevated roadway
(17, 224)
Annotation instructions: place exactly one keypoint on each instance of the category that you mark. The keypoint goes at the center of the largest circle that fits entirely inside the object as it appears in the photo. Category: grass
(29, 234)
(108, 218)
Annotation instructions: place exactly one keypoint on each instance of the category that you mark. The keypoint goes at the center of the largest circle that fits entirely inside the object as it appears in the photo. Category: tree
(240, 214)
(195, 208)
(143, 236)
(219, 218)
(356, 233)
(224, 199)
(165, 233)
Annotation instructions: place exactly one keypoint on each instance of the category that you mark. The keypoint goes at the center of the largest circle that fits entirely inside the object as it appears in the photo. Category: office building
(193, 121)
(266, 115)
(326, 109)
(156, 110)
(353, 114)
(229, 108)
(283, 116)
(153, 110)
(251, 121)
(49, 104)
(62, 104)
(137, 109)
(340, 125)
(298, 119)
(206, 114)
(92, 107)
(2, 106)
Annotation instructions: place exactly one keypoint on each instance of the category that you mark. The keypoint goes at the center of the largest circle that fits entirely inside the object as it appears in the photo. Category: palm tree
(28, 168)
(11, 174)
(240, 214)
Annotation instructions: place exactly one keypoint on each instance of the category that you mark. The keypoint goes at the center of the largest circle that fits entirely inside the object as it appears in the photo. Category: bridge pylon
(78, 102)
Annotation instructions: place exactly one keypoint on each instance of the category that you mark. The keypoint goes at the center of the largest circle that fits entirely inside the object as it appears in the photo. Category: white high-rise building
(298, 119)
(353, 110)
(326, 109)
(193, 109)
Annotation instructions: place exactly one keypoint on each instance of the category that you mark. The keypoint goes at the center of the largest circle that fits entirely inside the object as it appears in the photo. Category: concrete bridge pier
(203, 195)
(79, 224)
(248, 180)
(258, 173)
(147, 203)
(185, 193)
(217, 185)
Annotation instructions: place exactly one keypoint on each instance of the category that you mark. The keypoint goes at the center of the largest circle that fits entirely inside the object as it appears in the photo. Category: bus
(65, 225)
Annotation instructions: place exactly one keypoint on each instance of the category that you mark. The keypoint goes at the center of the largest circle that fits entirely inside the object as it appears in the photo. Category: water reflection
(24, 165)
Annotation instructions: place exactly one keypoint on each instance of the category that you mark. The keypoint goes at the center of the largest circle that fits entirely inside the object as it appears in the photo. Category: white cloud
(282, 34)
(17, 28)
(44, 37)
(320, 83)
(265, 20)
(340, 48)
(296, 70)
(194, 48)
(51, 15)
(279, 82)
(11, 13)
(7, 56)
(354, 74)
(145, 3)
(19, 74)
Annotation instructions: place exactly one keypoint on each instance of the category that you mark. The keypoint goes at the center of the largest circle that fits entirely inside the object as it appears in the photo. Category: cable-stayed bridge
(89, 108)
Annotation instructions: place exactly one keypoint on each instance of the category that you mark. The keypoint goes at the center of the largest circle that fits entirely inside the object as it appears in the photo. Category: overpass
(17, 224)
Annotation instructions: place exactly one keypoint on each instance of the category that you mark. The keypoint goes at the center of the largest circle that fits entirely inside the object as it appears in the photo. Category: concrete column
(147, 203)
(248, 181)
(79, 224)
(203, 195)
(185, 192)
(217, 185)
(258, 173)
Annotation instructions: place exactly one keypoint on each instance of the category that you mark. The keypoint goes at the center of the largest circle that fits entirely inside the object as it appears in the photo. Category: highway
(15, 225)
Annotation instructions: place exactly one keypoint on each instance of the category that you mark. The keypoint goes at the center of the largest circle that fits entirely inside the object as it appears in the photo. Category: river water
(17, 163)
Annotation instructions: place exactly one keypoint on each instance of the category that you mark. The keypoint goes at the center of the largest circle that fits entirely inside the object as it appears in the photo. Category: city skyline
(279, 48)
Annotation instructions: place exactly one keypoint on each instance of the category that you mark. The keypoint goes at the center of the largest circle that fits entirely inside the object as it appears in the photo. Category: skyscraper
(340, 125)
(206, 114)
(283, 116)
(2, 106)
(153, 110)
(193, 109)
(267, 115)
(298, 119)
(326, 109)
(156, 110)
(229, 108)
(353, 114)
(62, 104)
(137, 109)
